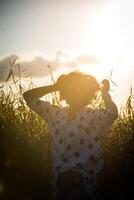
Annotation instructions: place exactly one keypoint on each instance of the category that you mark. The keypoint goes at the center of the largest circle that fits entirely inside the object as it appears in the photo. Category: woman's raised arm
(39, 92)
(109, 104)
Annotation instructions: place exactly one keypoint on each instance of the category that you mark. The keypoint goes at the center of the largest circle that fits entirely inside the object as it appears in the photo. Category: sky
(45, 25)
(92, 35)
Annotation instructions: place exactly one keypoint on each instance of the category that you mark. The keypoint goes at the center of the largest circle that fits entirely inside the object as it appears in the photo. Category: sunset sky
(92, 35)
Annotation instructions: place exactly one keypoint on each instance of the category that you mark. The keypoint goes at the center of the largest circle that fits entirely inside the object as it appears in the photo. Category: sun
(104, 38)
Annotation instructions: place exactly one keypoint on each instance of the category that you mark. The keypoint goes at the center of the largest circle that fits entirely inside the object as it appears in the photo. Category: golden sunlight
(106, 41)
(97, 70)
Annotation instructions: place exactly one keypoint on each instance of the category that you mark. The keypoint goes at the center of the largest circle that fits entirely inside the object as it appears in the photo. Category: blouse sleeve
(42, 108)
(105, 118)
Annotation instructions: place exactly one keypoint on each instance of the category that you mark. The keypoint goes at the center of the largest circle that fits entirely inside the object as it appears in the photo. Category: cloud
(36, 64)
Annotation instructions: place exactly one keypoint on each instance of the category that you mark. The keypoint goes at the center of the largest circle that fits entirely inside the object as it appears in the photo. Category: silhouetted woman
(77, 131)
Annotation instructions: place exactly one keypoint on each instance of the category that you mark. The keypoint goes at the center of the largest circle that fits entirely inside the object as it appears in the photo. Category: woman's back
(76, 130)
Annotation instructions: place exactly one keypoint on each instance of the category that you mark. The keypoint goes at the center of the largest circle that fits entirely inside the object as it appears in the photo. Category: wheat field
(25, 155)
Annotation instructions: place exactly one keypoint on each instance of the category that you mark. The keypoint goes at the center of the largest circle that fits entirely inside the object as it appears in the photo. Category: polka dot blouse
(77, 142)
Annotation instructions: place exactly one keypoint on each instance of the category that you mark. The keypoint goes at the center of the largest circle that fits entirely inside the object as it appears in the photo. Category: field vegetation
(25, 154)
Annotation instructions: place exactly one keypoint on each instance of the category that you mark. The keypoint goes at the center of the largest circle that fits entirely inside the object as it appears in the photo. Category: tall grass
(25, 161)
(25, 154)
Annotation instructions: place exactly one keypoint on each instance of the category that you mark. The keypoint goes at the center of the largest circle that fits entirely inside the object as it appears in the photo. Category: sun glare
(105, 39)
(99, 71)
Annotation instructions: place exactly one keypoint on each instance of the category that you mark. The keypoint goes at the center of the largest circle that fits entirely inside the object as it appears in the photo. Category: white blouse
(78, 141)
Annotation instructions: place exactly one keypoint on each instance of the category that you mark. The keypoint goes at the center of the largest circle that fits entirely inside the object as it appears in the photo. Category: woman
(77, 131)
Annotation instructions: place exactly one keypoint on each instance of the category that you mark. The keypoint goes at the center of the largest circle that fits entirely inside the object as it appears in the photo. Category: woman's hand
(108, 102)
(105, 87)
